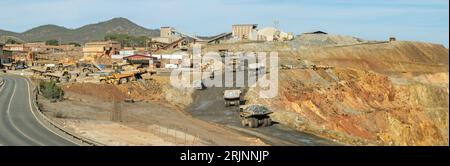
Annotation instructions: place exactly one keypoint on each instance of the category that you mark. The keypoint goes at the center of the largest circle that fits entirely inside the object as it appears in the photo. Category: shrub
(50, 90)
(52, 42)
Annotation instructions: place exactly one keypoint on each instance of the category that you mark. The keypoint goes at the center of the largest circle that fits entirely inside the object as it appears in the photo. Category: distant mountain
(91, 32)
(8, 33)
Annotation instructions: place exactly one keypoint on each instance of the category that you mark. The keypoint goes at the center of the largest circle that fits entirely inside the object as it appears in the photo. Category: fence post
(185, 141)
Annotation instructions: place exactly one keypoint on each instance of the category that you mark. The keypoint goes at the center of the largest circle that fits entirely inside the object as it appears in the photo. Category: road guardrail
(47, 121)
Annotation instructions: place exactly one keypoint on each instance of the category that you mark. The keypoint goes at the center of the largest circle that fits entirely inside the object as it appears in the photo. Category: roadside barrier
(50, 123)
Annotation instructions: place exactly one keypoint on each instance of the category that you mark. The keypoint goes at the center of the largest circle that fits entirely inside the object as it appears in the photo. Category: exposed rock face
(378, 94)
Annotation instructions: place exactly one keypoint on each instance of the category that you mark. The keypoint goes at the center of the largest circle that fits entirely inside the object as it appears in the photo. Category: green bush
(127, 40)
(52, 42)
(50, 90)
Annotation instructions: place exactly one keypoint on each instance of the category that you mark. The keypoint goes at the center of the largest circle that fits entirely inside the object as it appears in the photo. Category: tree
(127, 40)
(12, 41)
(52, 42)
(75, 44)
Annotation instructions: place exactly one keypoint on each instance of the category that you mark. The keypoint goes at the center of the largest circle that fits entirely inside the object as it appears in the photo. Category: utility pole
(276, 24)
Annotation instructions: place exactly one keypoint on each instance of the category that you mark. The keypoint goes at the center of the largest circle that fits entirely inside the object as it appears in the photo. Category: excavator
(88, 65)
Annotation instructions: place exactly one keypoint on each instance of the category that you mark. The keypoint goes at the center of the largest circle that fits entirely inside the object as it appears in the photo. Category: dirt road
(209, 105)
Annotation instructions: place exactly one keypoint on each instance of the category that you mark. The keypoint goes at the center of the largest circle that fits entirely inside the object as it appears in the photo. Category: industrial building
(39, 47)
(167, 35)
(98, 49)
(5, 55)
(245, 31)
(251, 32)
(16, 47)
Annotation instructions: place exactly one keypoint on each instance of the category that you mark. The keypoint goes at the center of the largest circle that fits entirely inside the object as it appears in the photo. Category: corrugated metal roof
(137, 56)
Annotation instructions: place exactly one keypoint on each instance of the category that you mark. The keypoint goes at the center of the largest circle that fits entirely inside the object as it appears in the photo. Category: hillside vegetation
(92, 32)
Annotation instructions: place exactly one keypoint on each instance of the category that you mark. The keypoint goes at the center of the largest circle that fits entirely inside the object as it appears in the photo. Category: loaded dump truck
(116, 78)
(232, 97)
(255, 115)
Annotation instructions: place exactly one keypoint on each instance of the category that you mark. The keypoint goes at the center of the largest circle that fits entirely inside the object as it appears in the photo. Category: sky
(416, 20)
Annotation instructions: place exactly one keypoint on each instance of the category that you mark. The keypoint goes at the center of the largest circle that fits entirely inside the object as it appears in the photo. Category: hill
(384, 93)
(91, 32)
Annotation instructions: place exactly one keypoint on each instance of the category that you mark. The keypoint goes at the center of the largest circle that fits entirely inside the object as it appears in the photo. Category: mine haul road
(19, 125)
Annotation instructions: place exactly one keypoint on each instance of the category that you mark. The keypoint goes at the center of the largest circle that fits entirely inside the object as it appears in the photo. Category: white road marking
(10, 118)
(3, 86)
(31, 109)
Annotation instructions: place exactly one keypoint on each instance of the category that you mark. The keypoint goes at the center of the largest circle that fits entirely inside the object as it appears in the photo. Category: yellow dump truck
(116, 78)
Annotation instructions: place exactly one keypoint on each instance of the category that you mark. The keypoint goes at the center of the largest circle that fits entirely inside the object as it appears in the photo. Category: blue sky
(419, 20)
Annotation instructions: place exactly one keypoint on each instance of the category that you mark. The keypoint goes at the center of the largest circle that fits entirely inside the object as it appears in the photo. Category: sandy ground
(142, 123)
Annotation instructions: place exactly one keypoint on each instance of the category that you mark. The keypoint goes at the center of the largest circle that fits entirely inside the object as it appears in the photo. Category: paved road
(18, 124)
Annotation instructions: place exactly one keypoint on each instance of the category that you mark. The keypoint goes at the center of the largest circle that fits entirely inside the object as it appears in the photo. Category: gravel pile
(322, 40)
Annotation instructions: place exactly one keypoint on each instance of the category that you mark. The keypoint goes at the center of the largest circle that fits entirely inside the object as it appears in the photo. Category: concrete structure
(245, 31)
(392, 39)
(118, 56)
(16, 47)
(127, 52)
(167, 35)
(5, 55)
(167, 32)
(142, 49)
(42, 47)
(221, 38)
(98, 49)
(69, 47)
(38, 47)
(269, 34)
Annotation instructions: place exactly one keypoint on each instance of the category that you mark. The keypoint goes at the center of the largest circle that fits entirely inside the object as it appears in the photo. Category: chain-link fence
(173, 134)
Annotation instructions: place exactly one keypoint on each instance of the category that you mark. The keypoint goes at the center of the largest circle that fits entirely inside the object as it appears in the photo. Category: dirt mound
(105, 92)
(383, 94)
(387, 58)
(156, 89)
(142, 90)
(322, 40)
(362, 107)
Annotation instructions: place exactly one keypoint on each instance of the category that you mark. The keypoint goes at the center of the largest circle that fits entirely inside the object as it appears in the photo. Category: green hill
(91, 32)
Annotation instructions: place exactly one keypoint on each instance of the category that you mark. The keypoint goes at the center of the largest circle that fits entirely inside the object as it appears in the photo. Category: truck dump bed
(231, 94)
(255, 109)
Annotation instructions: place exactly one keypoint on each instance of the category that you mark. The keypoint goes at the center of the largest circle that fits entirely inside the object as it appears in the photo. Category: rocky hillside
(83, 34)
(375, 93)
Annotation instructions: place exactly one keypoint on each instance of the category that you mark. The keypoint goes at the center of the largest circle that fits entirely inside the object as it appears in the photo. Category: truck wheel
(253, 122)
(103, 81)
(267, 122)
(116, 82)
(244, 122)
(123, 81)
